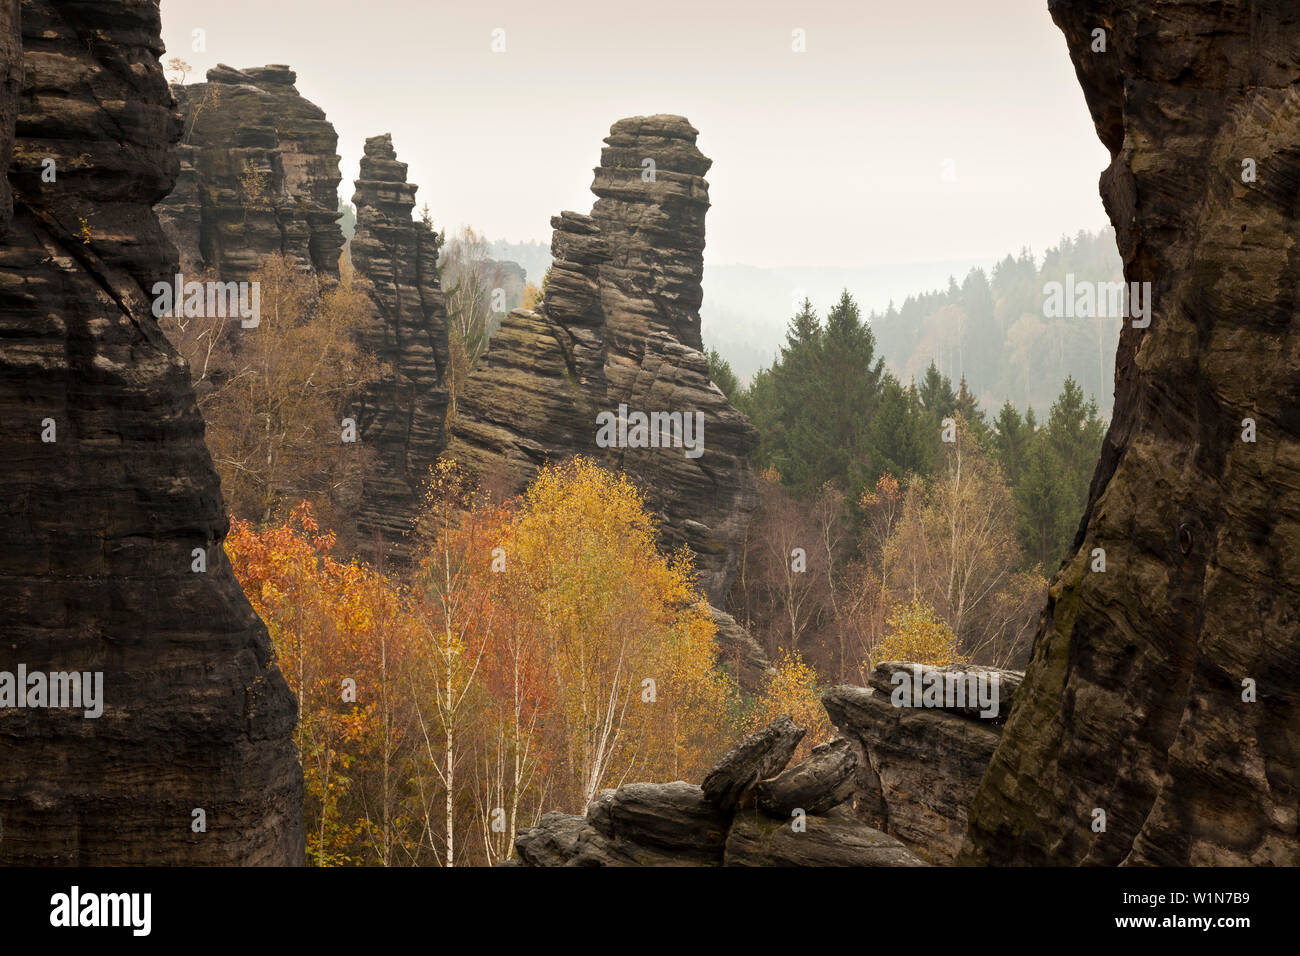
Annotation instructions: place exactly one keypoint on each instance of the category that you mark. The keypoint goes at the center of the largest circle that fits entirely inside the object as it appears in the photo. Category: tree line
(883, 501)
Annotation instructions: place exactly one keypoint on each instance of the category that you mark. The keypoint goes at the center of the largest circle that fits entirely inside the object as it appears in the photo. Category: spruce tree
(721, 372)
(968, 408)
(1042, 506)
(1011, 437)
(1074, 432)
(937, 396)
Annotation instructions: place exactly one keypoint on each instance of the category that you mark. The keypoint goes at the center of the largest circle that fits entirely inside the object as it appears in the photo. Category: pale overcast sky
(833, 156)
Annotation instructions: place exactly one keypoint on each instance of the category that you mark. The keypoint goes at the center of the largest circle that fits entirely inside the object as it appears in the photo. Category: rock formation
(758, 757)
(11, 79)
(817, 785)
(259, 174)
(401, 418)
(738, 652)
(923, 763)
(619, 330)
(719, 824)
(110, 496)
(1163, 690)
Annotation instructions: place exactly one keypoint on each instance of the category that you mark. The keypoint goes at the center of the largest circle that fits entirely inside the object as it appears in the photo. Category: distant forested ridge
(989, 326)
(991, 329)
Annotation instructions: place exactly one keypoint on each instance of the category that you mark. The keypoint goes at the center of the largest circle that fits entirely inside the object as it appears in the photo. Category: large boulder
(641, 824)
(833, 840)
(826, 778)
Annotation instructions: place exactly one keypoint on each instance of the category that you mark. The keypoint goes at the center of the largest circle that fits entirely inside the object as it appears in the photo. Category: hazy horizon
(830, 157)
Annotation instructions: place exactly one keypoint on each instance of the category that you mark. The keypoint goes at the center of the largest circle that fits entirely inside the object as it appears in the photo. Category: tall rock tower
(619, 326)
(401, 417)
(111, 525)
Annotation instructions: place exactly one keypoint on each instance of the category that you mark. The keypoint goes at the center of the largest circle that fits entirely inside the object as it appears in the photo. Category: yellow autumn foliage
(631, 640)
(918, 634)
(792, 688)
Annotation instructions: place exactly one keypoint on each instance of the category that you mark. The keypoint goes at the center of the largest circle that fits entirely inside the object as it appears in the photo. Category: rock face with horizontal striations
(110, 494)
(619, 329)
(401, 417)
(836, 839)
(923, 763)
(1163, 691)
(11, 81)
(259, 174)
(738, 652)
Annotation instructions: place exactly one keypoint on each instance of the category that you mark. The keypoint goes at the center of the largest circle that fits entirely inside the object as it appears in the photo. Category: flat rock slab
(838, 840)
(673, 818)
(642, 824)
(956, 686)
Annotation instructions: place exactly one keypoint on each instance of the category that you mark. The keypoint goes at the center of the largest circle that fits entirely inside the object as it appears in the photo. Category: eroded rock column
(111, 502)
(618, 333)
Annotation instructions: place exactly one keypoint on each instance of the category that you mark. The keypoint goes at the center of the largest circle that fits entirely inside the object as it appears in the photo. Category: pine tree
(843, 399)
(794, 389)
(1075, 432)
(721, 372)
(968, 408)
(1010, 439)
(1043, 506)
(902, 439)
(937, 396)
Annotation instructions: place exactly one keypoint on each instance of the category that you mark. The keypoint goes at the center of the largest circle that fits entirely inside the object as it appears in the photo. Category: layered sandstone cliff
(11, 79)
(110, 496)
(618, 333)
(401, 417)
(1162, 692)
(259, 174)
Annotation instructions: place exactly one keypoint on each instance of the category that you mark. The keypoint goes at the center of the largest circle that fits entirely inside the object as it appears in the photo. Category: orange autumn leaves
(331, 623)
(542, 650)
